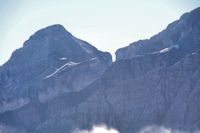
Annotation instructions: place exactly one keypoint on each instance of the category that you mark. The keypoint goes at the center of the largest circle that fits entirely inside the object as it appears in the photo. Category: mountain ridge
(153, 82)
(186, 27)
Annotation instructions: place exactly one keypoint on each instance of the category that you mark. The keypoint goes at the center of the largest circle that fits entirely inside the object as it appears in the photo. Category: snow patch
(69, 64)
(62, 58)
(164, 50)
(176, 46)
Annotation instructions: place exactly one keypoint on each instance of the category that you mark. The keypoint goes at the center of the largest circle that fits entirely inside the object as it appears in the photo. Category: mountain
(57, 83)
(183, 33)
(166, 97)
(130, 96)
(50, 63)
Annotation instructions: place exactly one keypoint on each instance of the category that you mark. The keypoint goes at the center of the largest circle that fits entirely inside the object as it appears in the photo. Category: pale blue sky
(106, 24)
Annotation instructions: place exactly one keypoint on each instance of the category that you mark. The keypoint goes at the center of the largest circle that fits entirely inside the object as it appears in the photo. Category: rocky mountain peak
(184, 32)
(50, 47)
(54, 31)
(41, 60)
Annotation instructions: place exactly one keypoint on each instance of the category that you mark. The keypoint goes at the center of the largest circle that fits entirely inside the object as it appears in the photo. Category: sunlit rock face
(51, 62)
(183, 32)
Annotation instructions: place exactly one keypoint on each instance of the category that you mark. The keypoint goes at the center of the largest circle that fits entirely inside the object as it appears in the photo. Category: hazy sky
(106, 24)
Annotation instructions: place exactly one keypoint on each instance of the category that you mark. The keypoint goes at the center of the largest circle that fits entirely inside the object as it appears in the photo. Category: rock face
(183, 32)
(161, 96)
(153, 83)
(50, 63)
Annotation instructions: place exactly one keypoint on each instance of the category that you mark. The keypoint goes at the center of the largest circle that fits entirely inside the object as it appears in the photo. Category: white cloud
(97, 129)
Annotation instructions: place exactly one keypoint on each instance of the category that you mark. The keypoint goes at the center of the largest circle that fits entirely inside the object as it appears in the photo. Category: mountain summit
(49, 54)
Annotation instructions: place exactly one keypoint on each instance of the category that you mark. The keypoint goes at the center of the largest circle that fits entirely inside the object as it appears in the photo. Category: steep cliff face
(50, 63)
(183, 32)
(166, 97)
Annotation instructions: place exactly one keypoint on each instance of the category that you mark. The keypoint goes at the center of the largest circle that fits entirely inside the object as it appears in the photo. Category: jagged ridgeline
(57, 83)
